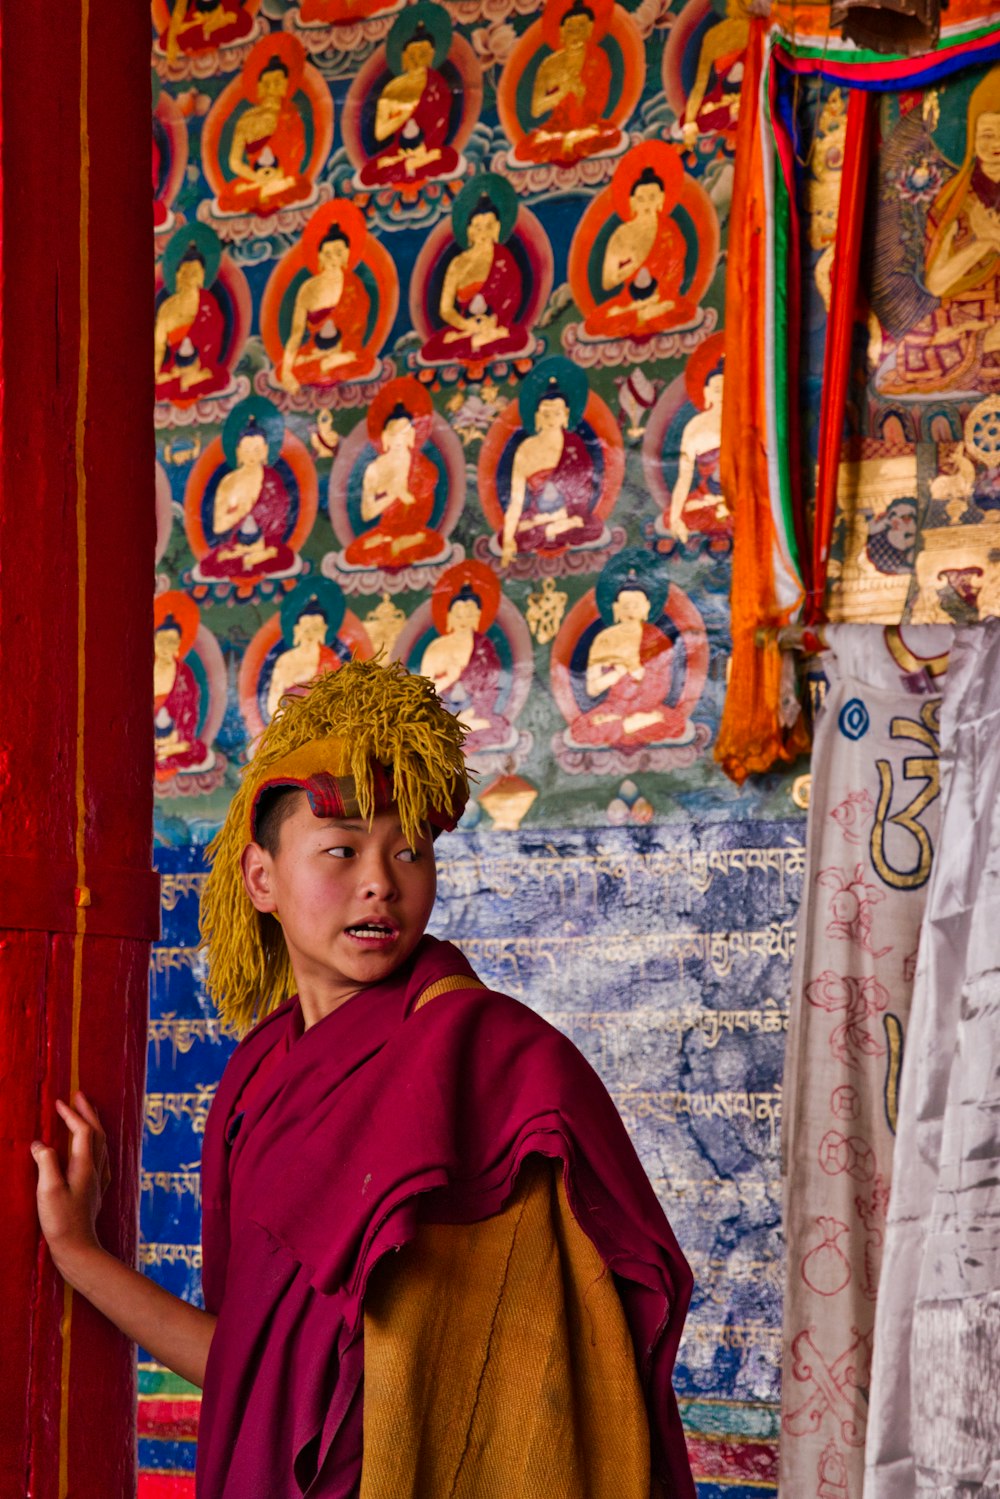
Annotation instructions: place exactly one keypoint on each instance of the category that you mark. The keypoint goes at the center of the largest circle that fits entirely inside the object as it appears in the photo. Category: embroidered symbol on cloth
(854, 721)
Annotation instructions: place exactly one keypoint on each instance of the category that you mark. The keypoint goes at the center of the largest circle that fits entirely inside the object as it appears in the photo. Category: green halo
(501, 195)
(648, 574)
(268, 419)
(572, 382)
(326, 593)
(204, 239)
(436, 20)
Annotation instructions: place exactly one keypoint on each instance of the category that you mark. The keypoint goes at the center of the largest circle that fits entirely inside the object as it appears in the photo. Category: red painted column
(78, 901)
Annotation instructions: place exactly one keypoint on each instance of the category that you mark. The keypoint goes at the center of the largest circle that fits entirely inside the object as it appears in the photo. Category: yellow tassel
(385, 714)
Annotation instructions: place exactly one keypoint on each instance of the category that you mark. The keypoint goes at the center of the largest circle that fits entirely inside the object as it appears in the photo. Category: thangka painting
(917, 536)
(440, 357)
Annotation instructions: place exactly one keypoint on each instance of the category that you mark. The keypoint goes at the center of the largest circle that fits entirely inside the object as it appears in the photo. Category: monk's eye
(341, 851)
(408, 855)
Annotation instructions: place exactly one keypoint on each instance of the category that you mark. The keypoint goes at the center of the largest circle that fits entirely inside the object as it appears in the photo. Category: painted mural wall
(440, 359)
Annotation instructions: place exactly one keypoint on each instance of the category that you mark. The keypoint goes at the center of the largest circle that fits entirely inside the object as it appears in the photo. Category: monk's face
(353, 899)
(417, 56)
(167, 645)
(272, 87)
(484, 229)
(987, 145)
(551, 413)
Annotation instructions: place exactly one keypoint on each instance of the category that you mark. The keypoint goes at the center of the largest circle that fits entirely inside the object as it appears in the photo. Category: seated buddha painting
(397, 484)
(250, 502)
(936, 286)
(703, 68)
(189, 27)
(630, 661)
(202, 319)
(311, 634)
(645, 249)
(189, 697)
(571, 83)
(551, 465)
(413, 105)
(475, 647)
(481, 280)
(268, 133)
(681, 451)
(329, 303)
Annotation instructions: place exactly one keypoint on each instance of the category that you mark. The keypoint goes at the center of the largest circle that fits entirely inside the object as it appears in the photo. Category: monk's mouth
(371, 931)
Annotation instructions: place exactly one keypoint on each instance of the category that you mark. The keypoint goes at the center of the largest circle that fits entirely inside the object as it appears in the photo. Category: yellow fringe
(384, 714)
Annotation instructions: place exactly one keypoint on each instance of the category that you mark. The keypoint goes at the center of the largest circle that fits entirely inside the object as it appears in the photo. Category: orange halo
(185, 612)
(701, 364)
(414, 396)
(279, 44)
(482, 579)
(666, 163)
(346, 217)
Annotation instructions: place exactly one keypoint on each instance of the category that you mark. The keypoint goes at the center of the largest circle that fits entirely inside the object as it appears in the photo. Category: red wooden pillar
(77, 898)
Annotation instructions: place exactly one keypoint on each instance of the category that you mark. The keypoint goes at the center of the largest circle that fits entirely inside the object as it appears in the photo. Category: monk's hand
(69, 1202)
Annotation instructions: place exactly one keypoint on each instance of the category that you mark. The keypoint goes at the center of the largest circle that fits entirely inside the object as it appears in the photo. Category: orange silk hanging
(751, 736)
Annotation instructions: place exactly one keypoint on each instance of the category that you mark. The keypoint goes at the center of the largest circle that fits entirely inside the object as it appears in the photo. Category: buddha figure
(570, 94)
(176, 706)
(326, 342)
(413, 119)
(957, 345)
(268, 148)
(308, 656)
(629, 673)
(397, 498)
(198, 25)
(251, 515)
(464, 666)
(714, 108)
(552, 490)
(482, 295)
(643, 264)
(188, 335)
(697, 502)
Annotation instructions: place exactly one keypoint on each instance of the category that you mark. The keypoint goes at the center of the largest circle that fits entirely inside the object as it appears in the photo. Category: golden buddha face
(647, 200)
(418, 56)
(575, 31)
(987, 145)
(310, 629)
(484, 229)
(334, 255)
(551, 413)
(630, 607)
(398, 435)
(272, 86)
(464, 614)
(190, 275)
(166, 646)
(251, 450)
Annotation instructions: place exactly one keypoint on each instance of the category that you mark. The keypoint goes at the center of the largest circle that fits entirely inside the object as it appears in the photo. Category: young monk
(433, 1265)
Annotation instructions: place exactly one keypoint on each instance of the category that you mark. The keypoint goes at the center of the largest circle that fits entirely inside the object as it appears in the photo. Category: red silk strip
(839, 332)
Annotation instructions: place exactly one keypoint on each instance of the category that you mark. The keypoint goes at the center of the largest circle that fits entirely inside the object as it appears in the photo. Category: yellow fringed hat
(360, 739)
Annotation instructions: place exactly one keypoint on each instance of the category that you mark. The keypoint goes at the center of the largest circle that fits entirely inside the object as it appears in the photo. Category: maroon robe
(379, 1117)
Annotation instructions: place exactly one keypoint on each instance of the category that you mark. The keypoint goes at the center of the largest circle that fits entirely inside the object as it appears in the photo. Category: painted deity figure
(268, 148)
(465, 668)
(482, 294)
(957, 345)
(328, 320)
(552, 484)
(891, 544)
(412, 120)
(308, 656)
(721, 52)
(197, 25)
(188, 335)
(570, 95)
(643, 264)
(250, 516)
(697, 502)
(397, 494)
(630, 671)
(176, 706)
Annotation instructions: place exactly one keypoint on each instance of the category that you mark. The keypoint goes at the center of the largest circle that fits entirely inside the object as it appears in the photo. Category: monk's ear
(256, 868)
